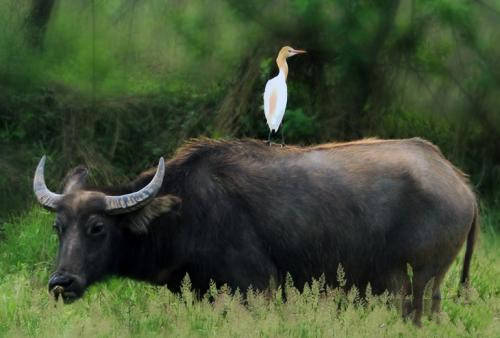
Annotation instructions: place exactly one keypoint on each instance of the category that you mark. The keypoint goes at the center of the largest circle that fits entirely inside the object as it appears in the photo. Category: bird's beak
(297, 51)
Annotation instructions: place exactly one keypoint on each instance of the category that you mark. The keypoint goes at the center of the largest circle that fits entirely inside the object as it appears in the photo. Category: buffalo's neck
(147, 257)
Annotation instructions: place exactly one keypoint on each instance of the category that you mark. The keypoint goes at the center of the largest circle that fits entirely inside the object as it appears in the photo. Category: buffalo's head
(90, 226)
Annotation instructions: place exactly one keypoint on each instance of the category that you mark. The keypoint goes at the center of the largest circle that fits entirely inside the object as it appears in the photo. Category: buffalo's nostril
(61, 280)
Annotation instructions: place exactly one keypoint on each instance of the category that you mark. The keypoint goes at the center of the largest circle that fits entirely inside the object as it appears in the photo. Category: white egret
(275, 94)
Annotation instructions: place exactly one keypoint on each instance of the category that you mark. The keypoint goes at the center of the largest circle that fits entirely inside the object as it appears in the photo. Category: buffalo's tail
(471, 240)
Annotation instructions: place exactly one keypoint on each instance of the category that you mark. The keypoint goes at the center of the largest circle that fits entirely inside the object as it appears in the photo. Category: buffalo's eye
(96, 228)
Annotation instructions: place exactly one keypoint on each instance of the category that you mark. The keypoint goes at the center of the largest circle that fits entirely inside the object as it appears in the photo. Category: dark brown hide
(243, 213)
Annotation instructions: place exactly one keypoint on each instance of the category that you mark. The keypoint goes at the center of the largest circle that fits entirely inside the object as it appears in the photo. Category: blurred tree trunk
(116, 136)
(70, 135)
(38, 20)
(367, 72)
(237, 100)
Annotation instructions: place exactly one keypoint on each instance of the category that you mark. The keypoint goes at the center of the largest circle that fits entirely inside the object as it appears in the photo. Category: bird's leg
(269, 138)
(282, 137)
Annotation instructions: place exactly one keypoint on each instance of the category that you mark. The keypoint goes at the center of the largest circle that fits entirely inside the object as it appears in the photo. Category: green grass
(120, 307)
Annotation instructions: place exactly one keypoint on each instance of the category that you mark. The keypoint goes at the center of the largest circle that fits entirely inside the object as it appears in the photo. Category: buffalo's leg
(419, 283)
(436, 294)
(406, 305)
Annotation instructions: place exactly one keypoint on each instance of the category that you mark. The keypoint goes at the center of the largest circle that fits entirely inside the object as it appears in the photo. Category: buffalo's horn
(46, 197)
(129, 202)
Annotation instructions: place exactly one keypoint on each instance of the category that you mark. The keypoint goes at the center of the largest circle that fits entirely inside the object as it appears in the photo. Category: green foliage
(116, 84)
(298, 127)
(120, 307)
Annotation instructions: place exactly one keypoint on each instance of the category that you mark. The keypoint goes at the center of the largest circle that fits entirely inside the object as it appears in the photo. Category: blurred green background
(116, 84)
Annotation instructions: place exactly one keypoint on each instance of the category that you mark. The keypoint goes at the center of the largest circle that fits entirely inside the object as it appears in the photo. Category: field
(119, 307)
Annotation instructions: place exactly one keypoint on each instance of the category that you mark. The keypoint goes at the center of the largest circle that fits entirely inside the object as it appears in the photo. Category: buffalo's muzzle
(64, 285)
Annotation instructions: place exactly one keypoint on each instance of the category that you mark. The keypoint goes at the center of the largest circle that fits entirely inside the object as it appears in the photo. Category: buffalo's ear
(138, 221)
(75, 179)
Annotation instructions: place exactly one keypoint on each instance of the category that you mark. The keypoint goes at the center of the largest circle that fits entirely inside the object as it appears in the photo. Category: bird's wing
(281, 105)
(267, 97)
(275, 96)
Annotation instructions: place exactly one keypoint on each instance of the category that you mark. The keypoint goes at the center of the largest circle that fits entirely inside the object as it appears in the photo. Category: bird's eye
(96, 228)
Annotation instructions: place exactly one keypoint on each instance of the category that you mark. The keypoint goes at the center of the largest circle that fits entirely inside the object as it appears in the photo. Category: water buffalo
(243, 213)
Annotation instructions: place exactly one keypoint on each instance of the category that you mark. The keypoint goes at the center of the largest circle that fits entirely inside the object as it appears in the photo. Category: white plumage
(277, 90)
(275, 93)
